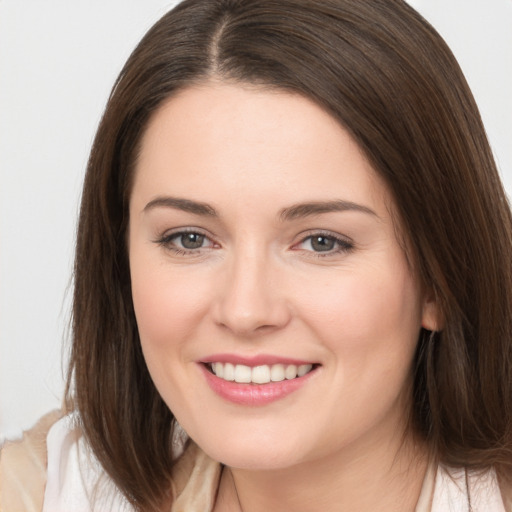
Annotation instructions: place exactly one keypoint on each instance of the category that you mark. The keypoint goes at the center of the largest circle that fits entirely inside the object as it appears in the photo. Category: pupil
(192, 240)
(322, 243)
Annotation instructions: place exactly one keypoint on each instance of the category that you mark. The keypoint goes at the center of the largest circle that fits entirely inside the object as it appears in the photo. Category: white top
(77, 482)
(75, 479)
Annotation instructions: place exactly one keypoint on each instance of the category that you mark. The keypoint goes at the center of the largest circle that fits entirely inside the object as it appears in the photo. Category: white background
(58, 60)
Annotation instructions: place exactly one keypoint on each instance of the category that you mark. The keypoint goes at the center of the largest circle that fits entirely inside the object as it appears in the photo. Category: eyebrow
(318, 207)
(186, 205)
(296, 211)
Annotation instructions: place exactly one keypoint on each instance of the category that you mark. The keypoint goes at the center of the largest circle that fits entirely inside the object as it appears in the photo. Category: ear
(431, 315)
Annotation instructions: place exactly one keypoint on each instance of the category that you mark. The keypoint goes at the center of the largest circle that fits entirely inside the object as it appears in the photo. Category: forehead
(246, 141)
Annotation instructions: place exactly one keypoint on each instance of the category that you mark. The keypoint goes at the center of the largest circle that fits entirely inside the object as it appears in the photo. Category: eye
(189, 240)
(322, 243)
(325, 243)
(185, 242)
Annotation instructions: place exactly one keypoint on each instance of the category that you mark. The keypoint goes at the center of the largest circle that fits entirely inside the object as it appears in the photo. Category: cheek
(162, 309)
(365, 312)
(168, 311)
(167, 302)
(369, 322)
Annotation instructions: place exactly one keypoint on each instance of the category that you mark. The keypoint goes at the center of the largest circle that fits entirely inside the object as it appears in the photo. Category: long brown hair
(385, 74)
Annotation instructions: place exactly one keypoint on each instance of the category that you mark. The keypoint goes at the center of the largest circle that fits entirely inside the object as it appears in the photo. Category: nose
(250, 299)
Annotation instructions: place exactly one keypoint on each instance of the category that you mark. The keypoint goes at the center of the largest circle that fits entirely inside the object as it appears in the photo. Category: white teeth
(277, 373)
(303, 369)
(218, 369)
(242, 374)
(262, 374)
(290, 372)
(228, 371)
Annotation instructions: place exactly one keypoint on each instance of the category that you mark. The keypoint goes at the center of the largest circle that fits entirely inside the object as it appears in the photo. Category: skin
(258, 285)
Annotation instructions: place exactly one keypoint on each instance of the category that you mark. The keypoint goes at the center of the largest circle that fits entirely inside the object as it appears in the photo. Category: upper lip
(256, 360)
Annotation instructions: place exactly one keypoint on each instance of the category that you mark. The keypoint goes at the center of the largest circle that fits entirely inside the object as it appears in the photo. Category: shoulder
(195, 480)
(23, 468)
(459, 489)
(52, 468)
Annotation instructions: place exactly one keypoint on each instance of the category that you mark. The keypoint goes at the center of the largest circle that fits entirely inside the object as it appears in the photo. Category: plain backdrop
(58, 61)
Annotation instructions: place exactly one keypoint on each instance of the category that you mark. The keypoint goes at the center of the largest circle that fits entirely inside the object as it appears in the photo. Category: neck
(382, 477)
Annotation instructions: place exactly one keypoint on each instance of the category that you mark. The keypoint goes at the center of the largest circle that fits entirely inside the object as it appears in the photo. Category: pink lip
(252, 361)
(253, 394)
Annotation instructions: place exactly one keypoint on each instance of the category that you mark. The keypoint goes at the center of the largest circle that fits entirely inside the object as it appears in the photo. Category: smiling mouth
(262, 374)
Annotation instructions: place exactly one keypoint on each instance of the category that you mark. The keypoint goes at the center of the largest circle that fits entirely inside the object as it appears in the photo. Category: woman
(293, 241)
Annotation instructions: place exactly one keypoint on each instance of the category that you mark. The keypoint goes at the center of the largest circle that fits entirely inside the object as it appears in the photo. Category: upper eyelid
(177, 231)
(304, 235)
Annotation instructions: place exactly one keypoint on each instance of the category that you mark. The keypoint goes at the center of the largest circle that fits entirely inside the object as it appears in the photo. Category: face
(277, 313)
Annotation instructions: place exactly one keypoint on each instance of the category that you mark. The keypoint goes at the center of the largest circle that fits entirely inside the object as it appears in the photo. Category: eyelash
(341, 245)
(166, 241)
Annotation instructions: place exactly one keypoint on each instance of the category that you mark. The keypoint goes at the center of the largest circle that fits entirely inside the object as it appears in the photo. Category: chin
(255, 460)
(257, 453)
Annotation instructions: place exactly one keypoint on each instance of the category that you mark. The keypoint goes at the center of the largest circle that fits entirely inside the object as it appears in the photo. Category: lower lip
(253, 394)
